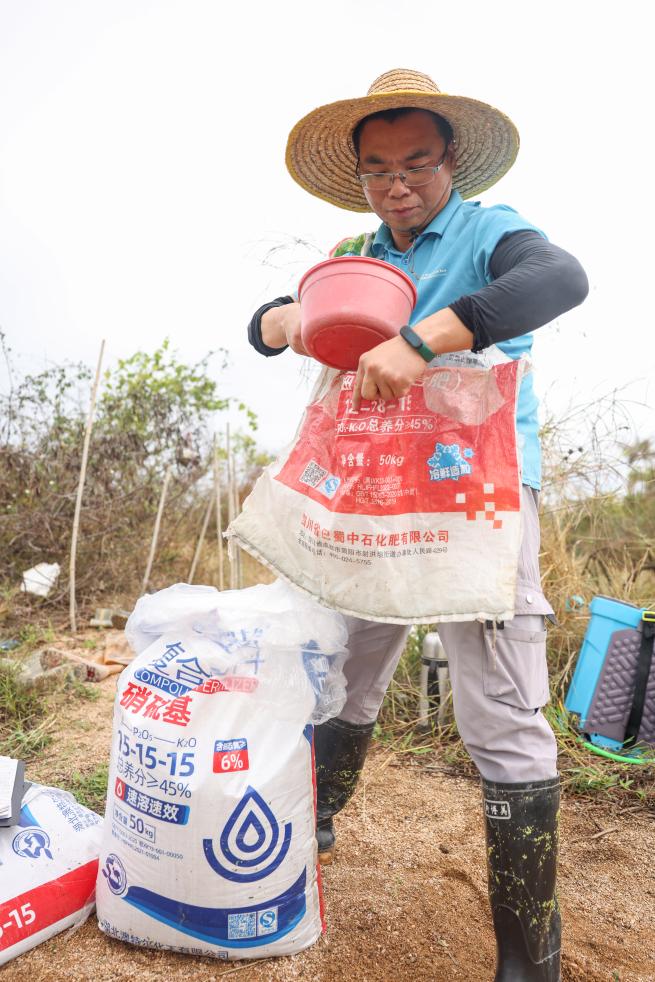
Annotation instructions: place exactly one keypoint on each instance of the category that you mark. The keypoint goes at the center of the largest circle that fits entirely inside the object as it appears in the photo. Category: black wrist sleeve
(534, 282)
(255, 327)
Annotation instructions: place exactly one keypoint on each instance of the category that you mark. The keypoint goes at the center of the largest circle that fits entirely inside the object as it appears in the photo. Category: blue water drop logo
(249, 838)
(251, 824)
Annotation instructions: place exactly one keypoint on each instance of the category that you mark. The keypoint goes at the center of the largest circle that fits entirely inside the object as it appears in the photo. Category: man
(485, 278)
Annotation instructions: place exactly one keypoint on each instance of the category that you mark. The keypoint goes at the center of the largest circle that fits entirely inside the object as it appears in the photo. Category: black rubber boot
(339, 752)
(521, 824)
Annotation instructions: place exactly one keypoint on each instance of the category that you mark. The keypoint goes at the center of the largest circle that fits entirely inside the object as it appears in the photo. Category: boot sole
(326, 858)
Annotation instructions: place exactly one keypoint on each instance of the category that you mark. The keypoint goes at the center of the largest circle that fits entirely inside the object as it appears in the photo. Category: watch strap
(417, 343)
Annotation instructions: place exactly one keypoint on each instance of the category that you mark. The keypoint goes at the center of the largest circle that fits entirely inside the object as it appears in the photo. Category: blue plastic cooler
(614, 630)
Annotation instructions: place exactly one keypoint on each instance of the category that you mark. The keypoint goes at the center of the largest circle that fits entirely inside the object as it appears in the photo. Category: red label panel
(37, 909)
(230, 755)
(404, 456)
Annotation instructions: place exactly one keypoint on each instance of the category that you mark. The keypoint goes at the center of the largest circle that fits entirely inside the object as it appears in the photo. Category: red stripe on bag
(49, 903)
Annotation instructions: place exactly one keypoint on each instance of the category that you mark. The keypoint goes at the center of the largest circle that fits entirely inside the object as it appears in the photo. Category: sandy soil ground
(406, 899)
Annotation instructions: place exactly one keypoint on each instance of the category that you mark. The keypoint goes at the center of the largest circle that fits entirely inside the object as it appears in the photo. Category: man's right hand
(281, 325)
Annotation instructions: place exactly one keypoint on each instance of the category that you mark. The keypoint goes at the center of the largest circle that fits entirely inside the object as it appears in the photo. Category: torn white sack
(407, 511)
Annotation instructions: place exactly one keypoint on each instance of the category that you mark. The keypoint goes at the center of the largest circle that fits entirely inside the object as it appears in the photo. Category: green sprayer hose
(618, 757)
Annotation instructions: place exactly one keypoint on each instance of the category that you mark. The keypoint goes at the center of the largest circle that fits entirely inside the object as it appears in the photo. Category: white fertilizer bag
(48, 867)
(407, 511)
(209, 843)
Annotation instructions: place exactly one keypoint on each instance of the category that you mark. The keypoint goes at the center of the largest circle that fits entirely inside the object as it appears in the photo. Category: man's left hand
(387, 371)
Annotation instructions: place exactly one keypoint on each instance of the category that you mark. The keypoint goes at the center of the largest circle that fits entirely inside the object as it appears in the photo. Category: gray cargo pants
(499, 683)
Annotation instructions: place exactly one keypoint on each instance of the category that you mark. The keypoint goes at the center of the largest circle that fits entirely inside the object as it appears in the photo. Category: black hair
(391, 115)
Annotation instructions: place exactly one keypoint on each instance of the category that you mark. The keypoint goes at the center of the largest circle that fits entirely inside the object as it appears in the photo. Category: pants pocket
(514, 668)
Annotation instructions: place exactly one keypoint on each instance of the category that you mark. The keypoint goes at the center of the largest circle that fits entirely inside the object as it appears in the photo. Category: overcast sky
(143, 185)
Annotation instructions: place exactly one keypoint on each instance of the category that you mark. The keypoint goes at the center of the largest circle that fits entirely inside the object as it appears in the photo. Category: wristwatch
(417, 343)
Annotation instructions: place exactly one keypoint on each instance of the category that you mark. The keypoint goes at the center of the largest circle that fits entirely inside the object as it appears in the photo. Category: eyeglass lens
(415, 177)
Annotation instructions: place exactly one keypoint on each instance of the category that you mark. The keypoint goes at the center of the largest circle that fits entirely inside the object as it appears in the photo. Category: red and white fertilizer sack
(48, 866)
(407, 511)
(209, 843)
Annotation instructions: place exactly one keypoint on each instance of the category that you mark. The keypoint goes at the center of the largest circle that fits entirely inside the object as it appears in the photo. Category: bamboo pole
(230, 510)
(155, 533)
(201, 539)
(80, 491)
(235, 494)
(219, 518)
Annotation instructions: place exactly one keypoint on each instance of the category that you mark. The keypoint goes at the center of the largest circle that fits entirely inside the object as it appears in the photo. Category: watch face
(409, 335)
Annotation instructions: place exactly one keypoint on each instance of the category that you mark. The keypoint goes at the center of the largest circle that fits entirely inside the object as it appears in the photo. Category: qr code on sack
(313, 474)
(242, 925)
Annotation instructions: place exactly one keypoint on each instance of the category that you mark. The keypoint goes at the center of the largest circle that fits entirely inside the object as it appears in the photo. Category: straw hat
(321, 157)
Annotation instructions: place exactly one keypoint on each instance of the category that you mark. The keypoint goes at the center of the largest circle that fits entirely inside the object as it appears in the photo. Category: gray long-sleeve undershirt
(534, 282)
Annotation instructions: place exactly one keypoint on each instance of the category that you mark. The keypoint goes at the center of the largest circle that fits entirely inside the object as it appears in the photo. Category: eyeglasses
(415, 177)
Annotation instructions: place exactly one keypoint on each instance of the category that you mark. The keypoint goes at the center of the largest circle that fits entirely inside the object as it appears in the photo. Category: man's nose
(398, 189)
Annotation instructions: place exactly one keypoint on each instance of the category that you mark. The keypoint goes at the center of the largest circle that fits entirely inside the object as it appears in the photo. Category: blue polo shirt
(449, 260)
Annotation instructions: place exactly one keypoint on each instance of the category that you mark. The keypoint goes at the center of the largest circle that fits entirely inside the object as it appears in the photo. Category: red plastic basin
(350, 304)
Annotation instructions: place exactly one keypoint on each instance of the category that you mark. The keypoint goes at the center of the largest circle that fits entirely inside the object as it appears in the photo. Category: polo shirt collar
(383, 240)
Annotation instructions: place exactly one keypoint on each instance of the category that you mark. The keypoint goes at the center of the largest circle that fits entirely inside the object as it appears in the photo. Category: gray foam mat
(612, 701)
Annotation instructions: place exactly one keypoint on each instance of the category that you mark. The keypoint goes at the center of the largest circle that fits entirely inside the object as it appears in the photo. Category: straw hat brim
(320, 154)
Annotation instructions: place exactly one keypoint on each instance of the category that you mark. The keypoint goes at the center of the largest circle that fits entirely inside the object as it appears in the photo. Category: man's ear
(452, 153)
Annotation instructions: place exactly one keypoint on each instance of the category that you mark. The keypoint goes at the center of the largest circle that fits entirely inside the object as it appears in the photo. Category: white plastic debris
(40, 579)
